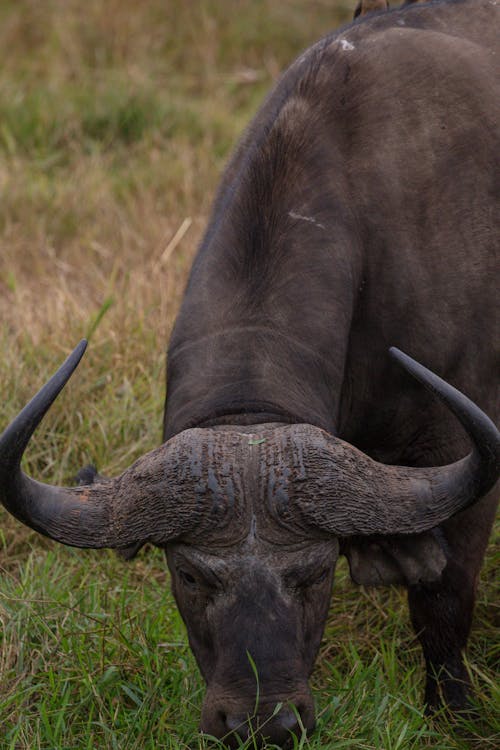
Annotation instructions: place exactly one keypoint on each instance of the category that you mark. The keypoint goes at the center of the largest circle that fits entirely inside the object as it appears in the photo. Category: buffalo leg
(441, 613)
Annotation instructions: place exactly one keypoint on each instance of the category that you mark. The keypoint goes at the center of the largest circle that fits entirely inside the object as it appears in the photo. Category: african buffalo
(356, 214)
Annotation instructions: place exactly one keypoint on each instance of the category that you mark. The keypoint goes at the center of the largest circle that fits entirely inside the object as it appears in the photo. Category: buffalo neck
(265, 321)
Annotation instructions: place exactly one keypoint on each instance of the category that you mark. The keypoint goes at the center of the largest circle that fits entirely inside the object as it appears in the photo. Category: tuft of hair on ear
(87, 475)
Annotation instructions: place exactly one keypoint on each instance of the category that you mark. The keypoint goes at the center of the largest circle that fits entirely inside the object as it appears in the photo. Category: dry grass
(116, 119)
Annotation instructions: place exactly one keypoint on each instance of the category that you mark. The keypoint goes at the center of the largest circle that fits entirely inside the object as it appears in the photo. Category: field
(116, 118)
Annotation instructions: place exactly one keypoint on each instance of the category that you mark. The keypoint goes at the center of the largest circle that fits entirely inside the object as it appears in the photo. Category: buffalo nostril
(287, 719)
(302, 711)
(278, 724)
(237, 726)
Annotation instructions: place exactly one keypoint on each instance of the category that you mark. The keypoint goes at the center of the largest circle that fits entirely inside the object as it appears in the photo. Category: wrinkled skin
(258, 598)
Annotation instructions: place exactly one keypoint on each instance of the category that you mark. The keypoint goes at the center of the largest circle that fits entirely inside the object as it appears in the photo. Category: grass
(115, 121)
(95, 655)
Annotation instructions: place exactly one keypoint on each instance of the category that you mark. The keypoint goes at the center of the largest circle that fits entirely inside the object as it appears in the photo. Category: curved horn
(140, 505)
(353, 494)
(471, 478)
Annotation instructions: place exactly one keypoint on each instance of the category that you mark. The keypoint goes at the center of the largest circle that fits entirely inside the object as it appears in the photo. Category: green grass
(116, 119)
(94, 655)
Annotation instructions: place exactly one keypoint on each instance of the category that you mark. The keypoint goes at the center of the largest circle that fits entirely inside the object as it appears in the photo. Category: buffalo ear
(128, 553)
(405, 560)
(88, 475)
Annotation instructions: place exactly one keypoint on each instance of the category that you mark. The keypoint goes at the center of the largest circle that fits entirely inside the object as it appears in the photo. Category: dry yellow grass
(89, 206)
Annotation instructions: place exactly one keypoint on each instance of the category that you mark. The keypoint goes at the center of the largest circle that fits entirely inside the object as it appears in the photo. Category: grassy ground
(116, 118)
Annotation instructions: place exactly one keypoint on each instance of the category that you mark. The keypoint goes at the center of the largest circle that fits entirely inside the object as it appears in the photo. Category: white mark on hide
(310, 219)
(401, 22)
(346, 46)
(253, 528)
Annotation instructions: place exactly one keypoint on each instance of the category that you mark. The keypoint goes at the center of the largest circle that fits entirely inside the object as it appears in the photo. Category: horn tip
(396, 353)
(78, 351)
(407, 362)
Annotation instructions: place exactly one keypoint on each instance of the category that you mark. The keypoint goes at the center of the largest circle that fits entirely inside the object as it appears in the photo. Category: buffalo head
(251, 519)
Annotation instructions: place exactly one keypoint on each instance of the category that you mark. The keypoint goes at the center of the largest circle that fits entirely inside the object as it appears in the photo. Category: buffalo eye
(305, 582)
(197, 582)
(319, 578)
(187, 578)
